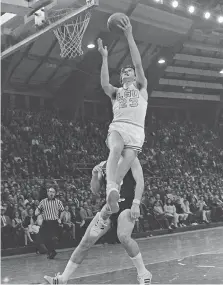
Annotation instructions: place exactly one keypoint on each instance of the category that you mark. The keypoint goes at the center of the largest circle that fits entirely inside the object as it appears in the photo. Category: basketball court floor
(182, 258)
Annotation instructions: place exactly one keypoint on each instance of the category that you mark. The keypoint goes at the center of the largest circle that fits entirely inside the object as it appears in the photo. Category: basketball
(114, 20)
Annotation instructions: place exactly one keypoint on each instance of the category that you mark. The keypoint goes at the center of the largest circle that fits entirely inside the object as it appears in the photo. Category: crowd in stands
(183, 169)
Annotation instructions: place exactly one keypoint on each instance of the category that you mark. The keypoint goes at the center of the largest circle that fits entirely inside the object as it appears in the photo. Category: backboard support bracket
(47, 5)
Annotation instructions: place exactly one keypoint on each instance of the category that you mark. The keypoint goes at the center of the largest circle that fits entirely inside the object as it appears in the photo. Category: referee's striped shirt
(50, 209)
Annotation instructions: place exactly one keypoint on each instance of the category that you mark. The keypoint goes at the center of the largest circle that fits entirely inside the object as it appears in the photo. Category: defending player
(131, 193)
(126, 132)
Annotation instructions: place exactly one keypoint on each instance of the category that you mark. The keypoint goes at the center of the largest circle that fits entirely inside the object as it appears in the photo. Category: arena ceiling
(191, 46)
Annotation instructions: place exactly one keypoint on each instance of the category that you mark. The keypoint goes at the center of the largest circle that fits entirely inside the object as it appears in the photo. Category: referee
(50, 208)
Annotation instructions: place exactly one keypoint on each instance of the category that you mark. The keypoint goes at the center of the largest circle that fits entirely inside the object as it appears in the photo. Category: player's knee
(124, 238)
(86, 244)
(116, 150)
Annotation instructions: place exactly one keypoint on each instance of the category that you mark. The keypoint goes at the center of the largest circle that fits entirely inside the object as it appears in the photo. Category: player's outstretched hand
(103, 50)
(126, 26)
(96, 170)
(135, 212)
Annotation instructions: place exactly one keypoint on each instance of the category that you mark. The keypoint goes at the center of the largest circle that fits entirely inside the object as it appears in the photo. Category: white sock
(139, 264)
(68, 271)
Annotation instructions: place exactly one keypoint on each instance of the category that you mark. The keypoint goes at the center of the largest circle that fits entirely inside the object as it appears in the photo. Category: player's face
(128, 74)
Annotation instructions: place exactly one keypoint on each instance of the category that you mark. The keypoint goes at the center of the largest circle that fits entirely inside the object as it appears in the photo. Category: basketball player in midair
(126, 132)
(123, 221)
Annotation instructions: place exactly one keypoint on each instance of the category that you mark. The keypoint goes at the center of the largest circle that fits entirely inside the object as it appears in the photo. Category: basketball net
(70, 35)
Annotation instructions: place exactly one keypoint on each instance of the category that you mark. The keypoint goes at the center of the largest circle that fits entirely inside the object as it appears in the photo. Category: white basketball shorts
(132, 135)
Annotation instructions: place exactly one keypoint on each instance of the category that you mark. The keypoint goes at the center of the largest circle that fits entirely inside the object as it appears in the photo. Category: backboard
(22, 29)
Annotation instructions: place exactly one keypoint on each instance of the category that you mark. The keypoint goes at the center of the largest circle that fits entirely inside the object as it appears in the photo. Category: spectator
(67, 224)
(24, 213)
(96, 206)
(170, 212)
(186, 208)
(86, 216)
(181, 212)
(196, 214)
(85, 212)
(216, 208)
(30, 225)
(21, 206)
(150, 204)
(157, 199)
(76, 201)
(76, 220)
(9, 207)
(35, 204)
(89, 205)
(29, 200)
(203, 210)
(143, 215)
(18, 229)
(160, 214)
(6, 229)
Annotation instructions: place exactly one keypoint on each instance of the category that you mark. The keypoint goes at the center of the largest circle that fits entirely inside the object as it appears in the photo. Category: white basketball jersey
(130, 106)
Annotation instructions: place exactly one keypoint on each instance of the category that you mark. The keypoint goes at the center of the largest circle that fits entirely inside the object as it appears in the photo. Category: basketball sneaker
(54, 280)
(98, 227)
(146, 279)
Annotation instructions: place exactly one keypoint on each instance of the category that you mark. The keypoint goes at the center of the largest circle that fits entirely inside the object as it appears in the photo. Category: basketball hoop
(70, 34)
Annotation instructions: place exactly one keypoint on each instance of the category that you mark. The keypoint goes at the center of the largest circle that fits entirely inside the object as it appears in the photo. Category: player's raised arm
(134, 51)
(105, 84)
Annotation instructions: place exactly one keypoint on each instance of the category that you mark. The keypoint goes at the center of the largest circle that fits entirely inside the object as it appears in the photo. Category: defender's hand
(97, 169)
(135, 212)
(103, 50)
(82, 223)
(126, 26)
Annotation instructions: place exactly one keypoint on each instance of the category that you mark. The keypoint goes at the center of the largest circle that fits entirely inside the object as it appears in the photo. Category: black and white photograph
(111, 142)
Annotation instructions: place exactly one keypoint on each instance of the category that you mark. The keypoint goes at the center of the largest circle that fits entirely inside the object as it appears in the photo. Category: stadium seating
(181, 161)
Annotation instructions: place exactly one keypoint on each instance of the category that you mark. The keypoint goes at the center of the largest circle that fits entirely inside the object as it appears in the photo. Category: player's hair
(124, 68)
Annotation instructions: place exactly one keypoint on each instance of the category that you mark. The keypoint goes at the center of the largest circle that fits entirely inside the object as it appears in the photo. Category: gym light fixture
(207, 15)
(161, 61)
(191, 9)
(91, 46)
(220, 19)
(175, 4)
